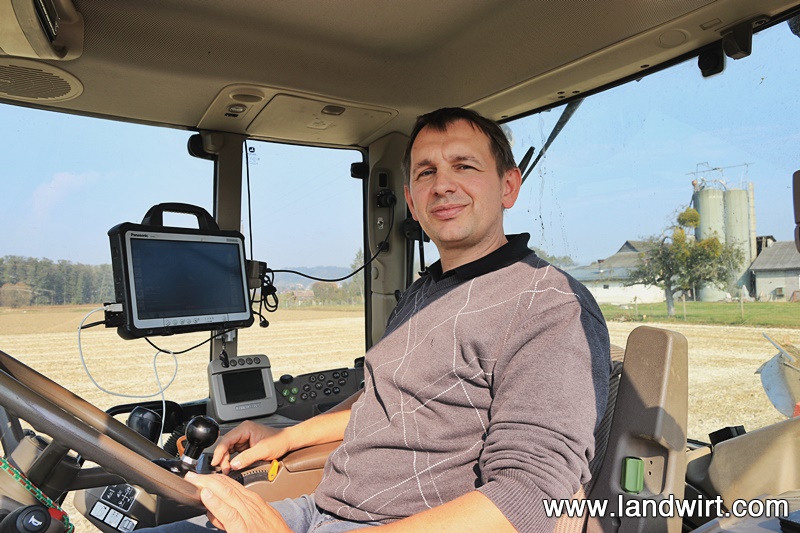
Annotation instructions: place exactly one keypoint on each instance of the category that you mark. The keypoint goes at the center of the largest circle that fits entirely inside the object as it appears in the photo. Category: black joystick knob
(201, 432)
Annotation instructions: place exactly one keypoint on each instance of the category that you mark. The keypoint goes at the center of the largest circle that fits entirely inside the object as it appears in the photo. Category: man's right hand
(262, 443)
(254, 442)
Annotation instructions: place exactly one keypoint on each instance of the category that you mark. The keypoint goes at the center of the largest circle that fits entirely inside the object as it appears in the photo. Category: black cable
(269, 297)
(269, 294)
(266, 281)
(93, 324)
(383, 243)
(221, 333)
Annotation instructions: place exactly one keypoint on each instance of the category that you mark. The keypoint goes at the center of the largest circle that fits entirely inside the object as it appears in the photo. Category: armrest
(310, 458)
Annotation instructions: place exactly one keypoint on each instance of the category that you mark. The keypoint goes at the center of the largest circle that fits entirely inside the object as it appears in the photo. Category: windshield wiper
(562, 121)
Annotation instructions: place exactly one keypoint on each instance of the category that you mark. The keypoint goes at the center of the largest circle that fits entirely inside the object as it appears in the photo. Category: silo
(737, 231)
(710, 204)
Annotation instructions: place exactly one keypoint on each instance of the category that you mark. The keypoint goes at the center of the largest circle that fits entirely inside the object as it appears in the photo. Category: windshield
(616, 182)
(306, 218)
(69, 179)
(630, 161)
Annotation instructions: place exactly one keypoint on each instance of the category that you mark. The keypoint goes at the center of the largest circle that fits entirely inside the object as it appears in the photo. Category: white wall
(768, 282)
(617, 294)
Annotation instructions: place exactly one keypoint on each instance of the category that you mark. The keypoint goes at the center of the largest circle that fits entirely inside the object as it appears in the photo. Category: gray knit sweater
(492, 378)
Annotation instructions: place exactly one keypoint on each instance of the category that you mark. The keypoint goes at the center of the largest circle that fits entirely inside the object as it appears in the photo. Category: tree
(560, 261)
(676, 261)
(63, 282)
(355, 287)
(326, 292)
(689, 218)
(15, 295)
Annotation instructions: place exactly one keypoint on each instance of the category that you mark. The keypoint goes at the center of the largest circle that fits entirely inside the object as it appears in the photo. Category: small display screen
(244, 386)
(176, 278)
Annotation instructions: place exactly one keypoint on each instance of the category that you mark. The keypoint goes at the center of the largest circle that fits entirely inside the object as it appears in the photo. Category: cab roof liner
(342, 73)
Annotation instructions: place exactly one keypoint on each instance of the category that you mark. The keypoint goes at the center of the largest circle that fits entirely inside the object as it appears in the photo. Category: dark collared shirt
(515, 249)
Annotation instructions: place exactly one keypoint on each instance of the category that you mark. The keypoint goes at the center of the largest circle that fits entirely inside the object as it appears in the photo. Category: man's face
(454, 189)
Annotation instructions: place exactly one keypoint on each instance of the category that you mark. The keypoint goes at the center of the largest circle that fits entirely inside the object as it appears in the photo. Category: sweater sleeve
(548, 386)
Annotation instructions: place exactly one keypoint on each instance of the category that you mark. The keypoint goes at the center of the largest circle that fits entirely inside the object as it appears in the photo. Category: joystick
(201, 432)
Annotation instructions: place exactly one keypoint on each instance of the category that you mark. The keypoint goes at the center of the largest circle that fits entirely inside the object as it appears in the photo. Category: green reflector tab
(632, 475)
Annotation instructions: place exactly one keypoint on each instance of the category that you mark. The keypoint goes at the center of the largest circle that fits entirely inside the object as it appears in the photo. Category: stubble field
(723, 387)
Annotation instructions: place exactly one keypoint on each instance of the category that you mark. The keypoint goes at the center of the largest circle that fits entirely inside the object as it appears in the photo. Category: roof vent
(30, 81)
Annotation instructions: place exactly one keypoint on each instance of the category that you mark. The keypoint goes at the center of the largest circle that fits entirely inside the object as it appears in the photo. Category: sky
(620, 170)
(624, 164)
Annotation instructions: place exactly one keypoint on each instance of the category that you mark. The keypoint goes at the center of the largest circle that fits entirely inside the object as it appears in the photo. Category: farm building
(776, 272)
(606, 278)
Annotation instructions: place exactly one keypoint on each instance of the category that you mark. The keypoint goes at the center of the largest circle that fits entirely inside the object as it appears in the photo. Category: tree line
(26, 281)
(351, 290)
(348, 291)
(674, 262)
(31, 281)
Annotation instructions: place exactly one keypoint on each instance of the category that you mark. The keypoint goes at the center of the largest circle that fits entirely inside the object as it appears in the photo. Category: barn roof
(616, 267)
(779, 256)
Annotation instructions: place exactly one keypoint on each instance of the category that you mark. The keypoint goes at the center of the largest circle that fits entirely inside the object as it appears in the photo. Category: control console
(306, 395)
(241, 387)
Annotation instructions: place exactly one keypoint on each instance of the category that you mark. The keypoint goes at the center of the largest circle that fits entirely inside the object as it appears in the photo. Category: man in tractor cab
(482, 397)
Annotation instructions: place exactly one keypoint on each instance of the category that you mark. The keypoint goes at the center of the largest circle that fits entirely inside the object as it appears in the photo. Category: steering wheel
(75, 423)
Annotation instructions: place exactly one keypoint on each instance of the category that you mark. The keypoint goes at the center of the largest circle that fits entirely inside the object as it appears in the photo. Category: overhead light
(334, 110)
(247, 98)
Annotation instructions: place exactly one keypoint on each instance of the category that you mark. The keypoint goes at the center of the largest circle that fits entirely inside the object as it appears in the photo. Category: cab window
(630, 161)
(69, 179)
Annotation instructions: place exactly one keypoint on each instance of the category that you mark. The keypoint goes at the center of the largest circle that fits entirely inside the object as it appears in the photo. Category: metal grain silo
(737, 230)
(710, 204)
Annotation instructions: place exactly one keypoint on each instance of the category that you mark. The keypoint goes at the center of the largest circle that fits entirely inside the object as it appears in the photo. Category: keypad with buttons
(309, 389)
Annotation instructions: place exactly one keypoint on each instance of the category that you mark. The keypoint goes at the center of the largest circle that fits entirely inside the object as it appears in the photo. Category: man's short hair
(440, 119)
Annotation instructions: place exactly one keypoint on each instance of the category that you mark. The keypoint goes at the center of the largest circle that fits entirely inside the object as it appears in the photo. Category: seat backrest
(645, 420)
(649, 423)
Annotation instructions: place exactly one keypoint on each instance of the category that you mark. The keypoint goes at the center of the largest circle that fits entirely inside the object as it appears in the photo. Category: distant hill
(285, 280)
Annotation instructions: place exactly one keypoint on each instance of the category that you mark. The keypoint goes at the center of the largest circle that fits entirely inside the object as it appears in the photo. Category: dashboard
(244, 389)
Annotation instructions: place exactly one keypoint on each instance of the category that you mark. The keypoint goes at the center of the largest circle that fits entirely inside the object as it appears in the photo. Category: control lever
(201, 432)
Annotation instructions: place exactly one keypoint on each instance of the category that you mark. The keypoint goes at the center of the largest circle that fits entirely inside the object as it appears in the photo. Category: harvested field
(296, 341)
(724, 390)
